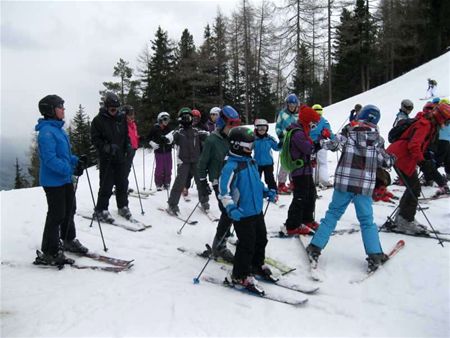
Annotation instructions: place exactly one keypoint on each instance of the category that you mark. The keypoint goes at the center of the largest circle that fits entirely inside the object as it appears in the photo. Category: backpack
(396, 132)
(286, 160)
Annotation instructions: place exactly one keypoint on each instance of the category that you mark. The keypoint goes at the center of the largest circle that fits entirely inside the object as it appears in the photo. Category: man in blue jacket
(57, 165)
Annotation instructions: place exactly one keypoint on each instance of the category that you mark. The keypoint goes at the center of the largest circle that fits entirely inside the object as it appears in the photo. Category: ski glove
(154, 145)
(169, 137)
(326, 134)
(78, 171)
(234, 212)
(271, 195)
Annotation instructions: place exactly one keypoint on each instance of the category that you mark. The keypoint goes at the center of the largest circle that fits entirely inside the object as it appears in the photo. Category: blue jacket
(315, 133)
(444, 133)
(284, 119)
(263, 149)
(241, 186)
(57, 161)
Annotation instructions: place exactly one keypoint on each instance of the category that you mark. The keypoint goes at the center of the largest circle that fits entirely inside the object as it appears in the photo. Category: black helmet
(127, 109)
(48, 104)
(241, 141)
(185, 116)
(111, 100)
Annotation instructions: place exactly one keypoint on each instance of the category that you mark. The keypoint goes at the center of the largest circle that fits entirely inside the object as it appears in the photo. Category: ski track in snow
(407, 297)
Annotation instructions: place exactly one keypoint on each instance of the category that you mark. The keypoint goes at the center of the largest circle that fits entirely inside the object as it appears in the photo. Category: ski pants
(303, 205)
(431, 173)
(163, 168)
(321, 170)
(252, 240)
(184, 169)
(59, 223)
(224, 225)
(112, 174)
(268, 175)
(364, 213)
(130, 158)
(408, 202)
(443, 155)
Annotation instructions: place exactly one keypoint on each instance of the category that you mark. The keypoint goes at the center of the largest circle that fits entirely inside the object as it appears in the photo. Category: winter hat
(441, 113)
(48, 104)
(428, 107)
(369, 113)
(318, 108)
(307, 115)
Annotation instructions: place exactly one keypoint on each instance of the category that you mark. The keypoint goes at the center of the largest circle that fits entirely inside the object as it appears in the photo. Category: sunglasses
(261, 128)
(409, 108)
(60, 106)
(165, 119)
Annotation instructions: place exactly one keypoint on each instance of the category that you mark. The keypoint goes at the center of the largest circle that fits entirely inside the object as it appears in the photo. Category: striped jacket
(362, 153)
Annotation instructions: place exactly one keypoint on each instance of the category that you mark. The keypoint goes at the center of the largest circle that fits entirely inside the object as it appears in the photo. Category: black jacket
(156, 134)
(109, 135)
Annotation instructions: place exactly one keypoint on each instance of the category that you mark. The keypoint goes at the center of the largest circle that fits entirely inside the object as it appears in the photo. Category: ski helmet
(318, 108)
(261, 125)
(214, 111)
(241, 141)
(111, 100)
(445, 100)
(48, 104)
(292, 99)
(128, 110)
(163, 116)
(185, 116)
(406, 106)
(228, 116)
(196, 113)
(369, 113)
(441, 113)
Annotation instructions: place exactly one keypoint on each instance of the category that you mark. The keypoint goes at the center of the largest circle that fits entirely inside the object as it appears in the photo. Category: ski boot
(313, 253)
(375, 260)
(300, 230)
(205, 206)
(408, 227)
(125, 212)
(74, 246)
(103, 216)
(249, 283)
(58, 259)
(265, 272)
(173, 210)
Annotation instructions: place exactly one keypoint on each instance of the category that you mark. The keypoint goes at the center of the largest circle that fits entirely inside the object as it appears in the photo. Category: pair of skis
(131, 224)
(118, 265)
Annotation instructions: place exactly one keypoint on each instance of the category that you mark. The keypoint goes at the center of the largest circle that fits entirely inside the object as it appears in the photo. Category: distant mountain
(10, 149)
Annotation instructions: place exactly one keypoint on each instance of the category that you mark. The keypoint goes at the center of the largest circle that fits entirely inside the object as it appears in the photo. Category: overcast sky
(70, 48)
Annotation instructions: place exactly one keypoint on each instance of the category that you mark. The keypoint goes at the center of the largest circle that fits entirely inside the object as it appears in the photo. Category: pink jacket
(133, 134)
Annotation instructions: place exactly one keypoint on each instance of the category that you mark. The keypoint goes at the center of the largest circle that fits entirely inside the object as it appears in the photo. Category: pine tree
(19, 181)
(125, 84)
(33, 169)
(79, 134)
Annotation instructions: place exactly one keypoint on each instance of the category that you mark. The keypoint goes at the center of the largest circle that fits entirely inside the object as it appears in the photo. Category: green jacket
(212, 158)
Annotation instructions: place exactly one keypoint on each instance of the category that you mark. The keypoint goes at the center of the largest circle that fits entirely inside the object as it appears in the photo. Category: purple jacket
(301, 148)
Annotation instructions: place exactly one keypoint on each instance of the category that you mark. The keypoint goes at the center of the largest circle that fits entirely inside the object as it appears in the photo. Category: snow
(409, 296)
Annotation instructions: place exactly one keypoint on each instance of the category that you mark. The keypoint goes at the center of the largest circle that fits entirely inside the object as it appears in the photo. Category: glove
(280, 145)
(204, 188)
(154, 145)
(272, 195)
(129, 151)
(83, 161)
(317, 146)
(326, 133)
(78, 171)
(234, 212)
(169, 137)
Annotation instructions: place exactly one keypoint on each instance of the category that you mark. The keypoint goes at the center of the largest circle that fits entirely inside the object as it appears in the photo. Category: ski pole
(93, 201)
(153, 171)
(101, 186)
(187, 219)
(137, 188)
(267, 207)
(400, 174)
(196, 280)
(143, 165)
(75, 187)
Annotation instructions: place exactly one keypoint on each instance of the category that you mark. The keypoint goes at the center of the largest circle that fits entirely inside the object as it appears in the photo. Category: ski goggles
(234, 122)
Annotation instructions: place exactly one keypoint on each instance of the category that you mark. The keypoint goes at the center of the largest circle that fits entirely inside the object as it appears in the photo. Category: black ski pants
(408, 202)
(59, 223)
(184, 169)
(303, 205)
(224, 225)
(252, 240)
(112, 174)
(443, 155)
(268, 175)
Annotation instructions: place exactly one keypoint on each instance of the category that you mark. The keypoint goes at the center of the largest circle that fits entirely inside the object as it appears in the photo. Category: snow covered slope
(407, 297)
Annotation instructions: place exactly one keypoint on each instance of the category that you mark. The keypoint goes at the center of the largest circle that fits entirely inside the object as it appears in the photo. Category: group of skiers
(232, 159)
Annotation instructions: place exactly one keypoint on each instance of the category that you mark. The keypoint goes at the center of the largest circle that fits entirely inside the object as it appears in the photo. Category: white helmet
(163, 115)
(261, 122)
(215, 110)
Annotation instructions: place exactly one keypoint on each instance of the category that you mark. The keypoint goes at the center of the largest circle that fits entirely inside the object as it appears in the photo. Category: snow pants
(252, 240)
(408, 201)
(184, 169)
(59, 223)
(364, 213)
(163, 168)
(268, 175)
(130, 159)
(112, 174)
(321, 170)
(301, 210)
(443, 155)
(224, 225)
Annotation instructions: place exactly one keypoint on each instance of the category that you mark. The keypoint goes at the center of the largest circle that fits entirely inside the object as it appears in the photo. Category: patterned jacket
(362, 153)
(284, 119)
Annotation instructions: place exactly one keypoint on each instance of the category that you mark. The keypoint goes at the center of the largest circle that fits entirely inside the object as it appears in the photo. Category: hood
(46, 122)
(364, 135)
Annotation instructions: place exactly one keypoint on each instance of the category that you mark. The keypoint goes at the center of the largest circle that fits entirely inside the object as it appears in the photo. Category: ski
(314, 271)
(140, 226)
(208, 214)
(397, 247)
(433, 197)
(105, 259)
(430, 235)
(40, 263)
(178, 217)
(287, 285)
(295, 301)
(136, 195)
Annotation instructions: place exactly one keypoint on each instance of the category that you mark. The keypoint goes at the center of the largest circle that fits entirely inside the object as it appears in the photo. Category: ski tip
(196, 280)
(401, 242)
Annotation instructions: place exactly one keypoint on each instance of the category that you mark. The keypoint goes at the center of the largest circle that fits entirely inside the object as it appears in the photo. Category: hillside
(407, 297)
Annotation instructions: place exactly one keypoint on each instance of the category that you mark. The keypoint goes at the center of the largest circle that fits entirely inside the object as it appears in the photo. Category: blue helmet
(292, 99)
(369, 113)
(228, 115)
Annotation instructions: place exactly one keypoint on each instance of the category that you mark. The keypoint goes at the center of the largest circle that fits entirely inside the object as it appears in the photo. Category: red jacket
(410, 148)
(133, 134)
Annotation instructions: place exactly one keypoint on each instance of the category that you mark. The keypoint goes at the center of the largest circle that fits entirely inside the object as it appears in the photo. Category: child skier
(300, 220)
(406, 107)
(242, 193)
(163, 151)
(264, 144)
(188, 139)
(362, 153)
